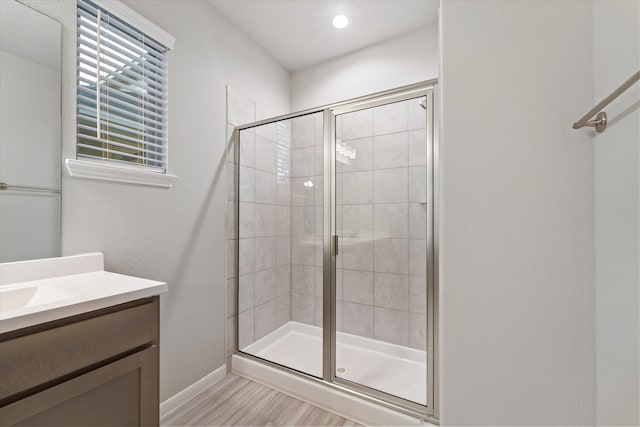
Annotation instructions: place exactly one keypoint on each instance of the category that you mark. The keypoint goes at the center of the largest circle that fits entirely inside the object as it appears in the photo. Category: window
(121, 89)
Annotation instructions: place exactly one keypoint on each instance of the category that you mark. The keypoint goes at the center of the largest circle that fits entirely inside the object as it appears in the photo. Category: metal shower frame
(428, 89)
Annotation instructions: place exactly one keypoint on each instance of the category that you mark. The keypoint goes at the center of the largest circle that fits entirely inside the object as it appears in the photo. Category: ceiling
(298, 33)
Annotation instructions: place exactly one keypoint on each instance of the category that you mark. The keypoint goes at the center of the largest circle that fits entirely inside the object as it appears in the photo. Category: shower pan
(336, 250)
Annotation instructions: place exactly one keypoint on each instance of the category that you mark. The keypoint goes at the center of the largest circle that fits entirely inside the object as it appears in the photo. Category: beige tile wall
(264, 225)
(306, 218)
(382, 265)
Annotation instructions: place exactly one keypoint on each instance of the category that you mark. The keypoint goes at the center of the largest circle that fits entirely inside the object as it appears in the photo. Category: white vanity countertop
(38, 291)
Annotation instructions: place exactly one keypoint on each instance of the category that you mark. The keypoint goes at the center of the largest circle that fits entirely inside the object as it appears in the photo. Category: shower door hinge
(335, 245)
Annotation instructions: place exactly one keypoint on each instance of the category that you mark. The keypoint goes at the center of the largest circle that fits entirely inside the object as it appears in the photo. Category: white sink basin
(30, 296)
(38, 291)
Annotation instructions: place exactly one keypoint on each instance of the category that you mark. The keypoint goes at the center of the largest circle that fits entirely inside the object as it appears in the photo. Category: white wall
(407, 59)
(175, 235)
(616, 51)
(517, 238)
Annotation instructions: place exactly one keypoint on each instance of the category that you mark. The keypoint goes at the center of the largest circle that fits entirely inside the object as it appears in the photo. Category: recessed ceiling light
(340, 21)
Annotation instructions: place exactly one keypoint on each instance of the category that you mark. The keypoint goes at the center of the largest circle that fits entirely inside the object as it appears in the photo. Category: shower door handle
(335, 245)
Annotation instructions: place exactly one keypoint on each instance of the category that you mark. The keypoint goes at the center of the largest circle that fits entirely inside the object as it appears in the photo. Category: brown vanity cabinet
(97, 368)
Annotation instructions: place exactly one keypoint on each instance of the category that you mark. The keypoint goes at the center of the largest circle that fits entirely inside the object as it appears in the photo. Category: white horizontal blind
(122, 92)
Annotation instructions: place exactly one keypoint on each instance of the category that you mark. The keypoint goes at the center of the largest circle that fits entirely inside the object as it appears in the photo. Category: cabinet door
(122, 393)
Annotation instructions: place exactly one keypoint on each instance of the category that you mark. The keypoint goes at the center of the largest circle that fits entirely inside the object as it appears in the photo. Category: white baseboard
(344, 404)
(180, 398)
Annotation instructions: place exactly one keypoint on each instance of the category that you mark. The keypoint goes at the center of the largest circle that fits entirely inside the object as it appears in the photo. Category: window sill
(115, 173)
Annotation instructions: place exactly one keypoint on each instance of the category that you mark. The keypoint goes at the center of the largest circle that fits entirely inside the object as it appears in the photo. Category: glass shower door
(335, 245)
(280, 263)
(381, 218)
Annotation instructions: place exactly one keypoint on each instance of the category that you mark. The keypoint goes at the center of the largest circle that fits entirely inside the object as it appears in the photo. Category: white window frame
(104, 170)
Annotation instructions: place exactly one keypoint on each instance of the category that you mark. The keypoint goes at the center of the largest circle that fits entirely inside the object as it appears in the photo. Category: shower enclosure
(336, 249)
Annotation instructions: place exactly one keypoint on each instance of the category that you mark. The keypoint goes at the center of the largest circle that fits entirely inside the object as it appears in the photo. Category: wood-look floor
(237, 401)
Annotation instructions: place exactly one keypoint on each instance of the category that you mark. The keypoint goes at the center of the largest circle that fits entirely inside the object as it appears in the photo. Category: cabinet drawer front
(32, 360)
(122, 393)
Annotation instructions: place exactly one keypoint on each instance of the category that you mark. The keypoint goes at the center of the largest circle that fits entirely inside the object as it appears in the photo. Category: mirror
(30, 91)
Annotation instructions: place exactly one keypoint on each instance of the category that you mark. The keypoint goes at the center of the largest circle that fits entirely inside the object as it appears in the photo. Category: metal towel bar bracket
(600, 122)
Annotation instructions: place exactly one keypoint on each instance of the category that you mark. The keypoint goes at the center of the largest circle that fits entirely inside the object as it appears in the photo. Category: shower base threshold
(391, 368)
